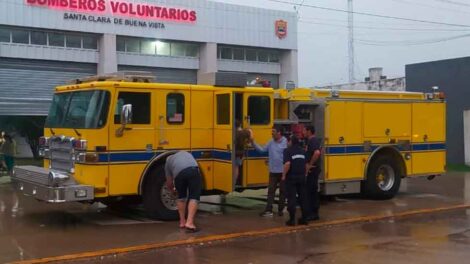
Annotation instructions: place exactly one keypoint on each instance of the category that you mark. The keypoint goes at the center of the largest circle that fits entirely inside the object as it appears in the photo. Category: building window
(5, 35)
(192, 50)
(38, 38)
(223, 109)
(56, 39)
(175, 108)
(90, 42)
(147, 46)
(163, 48)
(177, 49)
(263, 56)
(140, 107)
(157, 47)
(238, 54)
(226, 53)
(274, 57)
(73, 41)
(47, 38)
(121, 44)
(20, 36)
(259, 110)
(251, 55)
(132, 45)
(247, 54)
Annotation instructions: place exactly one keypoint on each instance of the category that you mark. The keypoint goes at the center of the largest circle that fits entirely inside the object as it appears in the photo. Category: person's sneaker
(291, 222)
(302, 221)
(266, 214)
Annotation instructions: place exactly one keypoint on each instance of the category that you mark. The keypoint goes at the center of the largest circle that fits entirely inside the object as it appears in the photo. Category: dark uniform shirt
(312, 146)
(296, 156)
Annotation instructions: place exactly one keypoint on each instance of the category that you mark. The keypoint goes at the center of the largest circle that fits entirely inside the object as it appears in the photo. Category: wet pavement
(30, 229)
(440, 238)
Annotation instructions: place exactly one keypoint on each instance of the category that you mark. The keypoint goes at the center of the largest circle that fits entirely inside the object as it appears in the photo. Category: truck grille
(61, 153)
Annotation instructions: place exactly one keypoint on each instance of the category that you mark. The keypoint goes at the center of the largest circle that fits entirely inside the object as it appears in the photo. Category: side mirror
(126, 114)
(126, 118)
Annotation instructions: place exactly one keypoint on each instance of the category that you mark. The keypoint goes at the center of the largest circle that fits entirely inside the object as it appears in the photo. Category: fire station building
(45, 43)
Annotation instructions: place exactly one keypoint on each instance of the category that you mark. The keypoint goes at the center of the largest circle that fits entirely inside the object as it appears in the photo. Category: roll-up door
(273, 78)
(26, 86)
(166, 75)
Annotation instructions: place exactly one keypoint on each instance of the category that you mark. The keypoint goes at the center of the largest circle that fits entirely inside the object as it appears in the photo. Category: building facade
(44, 43)
(451, 77)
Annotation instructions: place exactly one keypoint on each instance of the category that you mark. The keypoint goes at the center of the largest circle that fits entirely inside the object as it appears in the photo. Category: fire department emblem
(281, 29)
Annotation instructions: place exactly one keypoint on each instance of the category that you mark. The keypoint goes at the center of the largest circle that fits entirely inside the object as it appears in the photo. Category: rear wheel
(159, 202)
(383, 179)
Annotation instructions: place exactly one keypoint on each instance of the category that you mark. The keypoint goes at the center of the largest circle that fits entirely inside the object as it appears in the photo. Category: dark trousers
(295, 187)
(313, 197)
(275, 180)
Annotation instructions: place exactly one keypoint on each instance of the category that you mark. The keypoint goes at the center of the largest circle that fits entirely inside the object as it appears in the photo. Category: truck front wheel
(383, 179)
(159, 202)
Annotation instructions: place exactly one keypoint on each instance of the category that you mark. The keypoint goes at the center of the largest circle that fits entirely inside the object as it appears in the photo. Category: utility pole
(351, 41)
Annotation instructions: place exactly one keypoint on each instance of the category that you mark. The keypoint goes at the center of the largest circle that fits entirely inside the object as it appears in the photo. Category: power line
(386, 28)
(373, 15)
(409, 43)
(430, 6)
(453, 2)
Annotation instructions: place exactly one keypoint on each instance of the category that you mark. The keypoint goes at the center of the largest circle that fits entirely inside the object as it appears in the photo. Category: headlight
(56, 178)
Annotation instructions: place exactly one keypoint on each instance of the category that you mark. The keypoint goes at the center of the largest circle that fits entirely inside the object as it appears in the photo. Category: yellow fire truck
(107, 139)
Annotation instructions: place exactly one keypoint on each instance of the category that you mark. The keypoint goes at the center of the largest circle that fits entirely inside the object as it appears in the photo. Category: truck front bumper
(32, 181)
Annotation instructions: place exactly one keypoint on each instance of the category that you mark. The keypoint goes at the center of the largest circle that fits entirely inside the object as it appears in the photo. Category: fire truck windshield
(79, 109)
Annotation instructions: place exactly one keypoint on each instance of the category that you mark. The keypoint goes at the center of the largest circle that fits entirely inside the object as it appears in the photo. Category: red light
(79, 144)
(43, 141)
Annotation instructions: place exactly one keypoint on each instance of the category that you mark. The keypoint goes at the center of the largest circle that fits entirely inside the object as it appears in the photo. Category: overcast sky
(380, 42)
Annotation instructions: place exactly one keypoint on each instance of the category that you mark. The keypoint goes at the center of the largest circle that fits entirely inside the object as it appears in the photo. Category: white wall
(216, 22)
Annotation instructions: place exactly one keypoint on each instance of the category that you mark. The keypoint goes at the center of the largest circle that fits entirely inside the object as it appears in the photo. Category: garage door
(273, 78)
(166, 75)
(26, 86)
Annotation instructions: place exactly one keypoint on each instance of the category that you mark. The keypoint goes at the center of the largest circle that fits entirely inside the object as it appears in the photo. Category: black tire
(152, 197)
(383, 179)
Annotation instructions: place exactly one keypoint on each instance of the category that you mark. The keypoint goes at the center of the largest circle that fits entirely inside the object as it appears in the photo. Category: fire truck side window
(223, 109)
(259, 110)
(175, 108)
(140, 107)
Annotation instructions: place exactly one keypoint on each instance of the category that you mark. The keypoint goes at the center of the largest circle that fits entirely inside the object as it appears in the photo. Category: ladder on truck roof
(121, 76)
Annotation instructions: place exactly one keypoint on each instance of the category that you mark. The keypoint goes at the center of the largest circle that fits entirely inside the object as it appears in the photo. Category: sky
(378, 42)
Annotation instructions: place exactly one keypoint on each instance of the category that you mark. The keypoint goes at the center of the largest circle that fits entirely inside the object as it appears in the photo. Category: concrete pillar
(207, 62)
(289, 68)
(108, 54)
(466, 135)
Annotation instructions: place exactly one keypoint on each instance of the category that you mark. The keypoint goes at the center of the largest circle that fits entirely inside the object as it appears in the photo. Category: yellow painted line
(224, 237)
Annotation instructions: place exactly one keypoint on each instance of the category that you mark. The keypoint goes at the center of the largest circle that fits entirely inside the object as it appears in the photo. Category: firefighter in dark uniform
(313, 172)
(294, 177)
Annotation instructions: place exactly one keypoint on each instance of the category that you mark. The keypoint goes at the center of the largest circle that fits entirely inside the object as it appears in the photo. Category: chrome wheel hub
(385, 178)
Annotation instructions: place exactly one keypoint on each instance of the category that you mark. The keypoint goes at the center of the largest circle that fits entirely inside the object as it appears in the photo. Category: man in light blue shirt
(275, 149)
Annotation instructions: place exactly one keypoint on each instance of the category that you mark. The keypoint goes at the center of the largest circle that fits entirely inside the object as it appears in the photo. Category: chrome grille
(32, 174)
(61, 153)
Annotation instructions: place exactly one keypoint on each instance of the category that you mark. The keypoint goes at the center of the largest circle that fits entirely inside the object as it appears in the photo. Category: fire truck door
(258, 116)
(224, 147)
